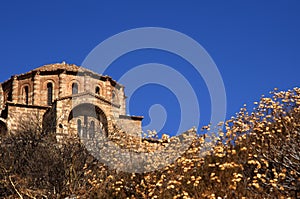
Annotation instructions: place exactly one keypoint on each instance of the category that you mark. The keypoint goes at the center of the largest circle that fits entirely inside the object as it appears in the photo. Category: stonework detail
(65, 99)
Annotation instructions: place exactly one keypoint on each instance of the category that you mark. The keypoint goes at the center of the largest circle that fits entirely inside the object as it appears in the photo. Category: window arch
(49, 93)
(26, 94)
(97, 90)
(74, 88)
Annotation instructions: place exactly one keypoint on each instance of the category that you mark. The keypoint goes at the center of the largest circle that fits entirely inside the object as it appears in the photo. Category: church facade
(67, 100)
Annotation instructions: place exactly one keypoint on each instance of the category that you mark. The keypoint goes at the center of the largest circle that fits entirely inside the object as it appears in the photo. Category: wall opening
(97, 90)
(26, 95)
(50, 94)
(74, 88)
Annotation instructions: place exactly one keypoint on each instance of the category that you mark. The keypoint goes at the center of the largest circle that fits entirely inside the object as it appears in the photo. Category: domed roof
(71, 67)
(62, 66)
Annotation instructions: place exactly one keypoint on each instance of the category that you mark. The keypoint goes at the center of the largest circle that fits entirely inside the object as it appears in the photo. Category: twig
(15, 187)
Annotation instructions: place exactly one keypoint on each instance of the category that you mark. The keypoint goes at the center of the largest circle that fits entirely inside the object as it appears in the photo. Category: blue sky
(255, 44)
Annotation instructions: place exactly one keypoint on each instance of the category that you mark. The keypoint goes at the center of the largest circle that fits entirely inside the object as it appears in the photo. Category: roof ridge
(55, 66)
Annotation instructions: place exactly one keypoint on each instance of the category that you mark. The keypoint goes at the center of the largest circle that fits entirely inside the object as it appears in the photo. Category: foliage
(257, 156)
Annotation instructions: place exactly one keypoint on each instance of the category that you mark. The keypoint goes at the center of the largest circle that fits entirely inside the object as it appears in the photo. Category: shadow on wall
(3, 128)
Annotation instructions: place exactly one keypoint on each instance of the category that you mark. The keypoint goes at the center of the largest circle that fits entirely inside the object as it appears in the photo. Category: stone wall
(131, 125)
(23, 118)
(7, 90)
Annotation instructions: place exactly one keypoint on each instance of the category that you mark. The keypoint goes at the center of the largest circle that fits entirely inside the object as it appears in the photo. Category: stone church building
(65, 99)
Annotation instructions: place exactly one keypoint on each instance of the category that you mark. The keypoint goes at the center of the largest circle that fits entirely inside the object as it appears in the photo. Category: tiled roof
(63, 66)
(67, 67)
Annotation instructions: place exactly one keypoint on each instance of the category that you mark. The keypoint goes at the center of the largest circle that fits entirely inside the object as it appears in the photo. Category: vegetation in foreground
(257, 156)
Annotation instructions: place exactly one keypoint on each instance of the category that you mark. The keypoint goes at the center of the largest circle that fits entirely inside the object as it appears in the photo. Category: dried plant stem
(12, 183)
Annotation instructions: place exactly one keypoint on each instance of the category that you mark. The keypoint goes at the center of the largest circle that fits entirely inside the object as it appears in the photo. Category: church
(67, 100)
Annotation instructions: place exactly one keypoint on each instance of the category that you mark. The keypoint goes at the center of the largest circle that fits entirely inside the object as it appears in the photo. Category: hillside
(257, 156)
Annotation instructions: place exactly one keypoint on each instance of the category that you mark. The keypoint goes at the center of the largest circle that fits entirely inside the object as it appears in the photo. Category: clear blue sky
(255, 44)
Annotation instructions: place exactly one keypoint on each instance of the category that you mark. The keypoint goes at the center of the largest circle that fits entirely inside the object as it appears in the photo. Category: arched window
(92, 129)
(26, 94)
(50, 93)
(97, 90)
(74, 88)
(79, 127)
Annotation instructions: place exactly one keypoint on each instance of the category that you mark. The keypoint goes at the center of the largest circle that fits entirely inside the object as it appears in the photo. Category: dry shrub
(257, 156)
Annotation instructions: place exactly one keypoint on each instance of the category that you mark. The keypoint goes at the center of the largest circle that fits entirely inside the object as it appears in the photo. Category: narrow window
(97, 90)
(79, 127)
(74, 88)
(85, 128)
(92, 129)
(26, 93)
(50, 93)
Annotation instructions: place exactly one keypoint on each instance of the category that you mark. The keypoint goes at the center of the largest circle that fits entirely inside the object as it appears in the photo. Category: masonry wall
(110, 99)
(64, 107)
(50, 120)
(131, 126)
(7, 91)
(42, 96)
(19, 85)
(21, 118)
(62, 86)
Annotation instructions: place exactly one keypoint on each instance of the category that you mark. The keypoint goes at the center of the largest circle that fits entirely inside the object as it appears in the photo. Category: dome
(62, 66)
